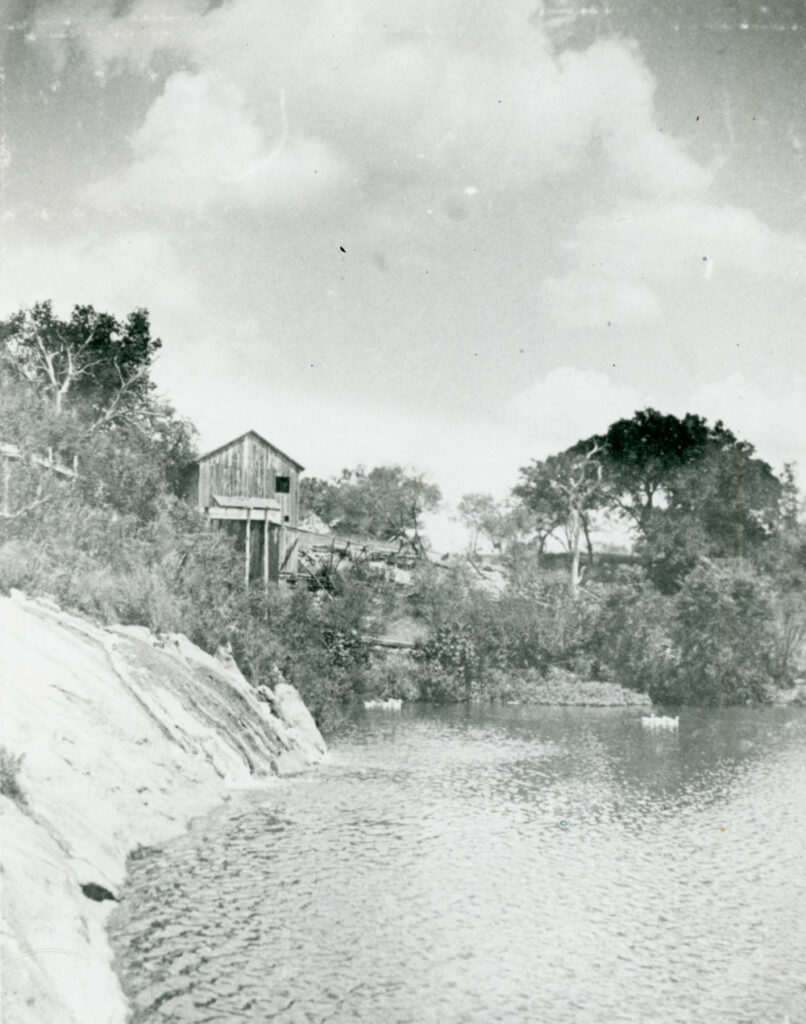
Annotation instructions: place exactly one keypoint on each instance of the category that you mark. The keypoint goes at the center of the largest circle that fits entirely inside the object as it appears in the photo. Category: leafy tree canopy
(691, 489)
(385, 503)
(91, 363)
(643, 455)
(482, 515)
(82, 388)
(563, 491)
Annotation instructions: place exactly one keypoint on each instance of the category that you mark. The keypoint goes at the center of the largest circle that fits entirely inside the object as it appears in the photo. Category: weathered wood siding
(249, 468)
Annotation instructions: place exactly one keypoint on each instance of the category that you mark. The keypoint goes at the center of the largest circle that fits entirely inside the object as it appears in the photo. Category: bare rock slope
(125, 737)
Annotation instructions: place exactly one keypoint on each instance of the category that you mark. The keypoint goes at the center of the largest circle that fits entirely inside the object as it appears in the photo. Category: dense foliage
(711, 611)
(691, 490)
(118, 543)
(386, 503)
(565, 490)
(723, 638)
(91, 364)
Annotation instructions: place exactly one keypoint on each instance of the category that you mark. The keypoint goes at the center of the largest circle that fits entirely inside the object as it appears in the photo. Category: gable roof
(260, 438)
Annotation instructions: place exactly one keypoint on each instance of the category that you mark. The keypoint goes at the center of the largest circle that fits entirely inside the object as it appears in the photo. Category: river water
(476, 865)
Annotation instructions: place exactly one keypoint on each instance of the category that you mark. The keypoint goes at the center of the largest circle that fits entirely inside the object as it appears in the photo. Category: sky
(451, 235)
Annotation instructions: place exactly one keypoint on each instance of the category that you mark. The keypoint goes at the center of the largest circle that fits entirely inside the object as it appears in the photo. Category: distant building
(251, 489)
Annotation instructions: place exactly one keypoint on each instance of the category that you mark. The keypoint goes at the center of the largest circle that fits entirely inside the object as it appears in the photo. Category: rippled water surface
(477, 865)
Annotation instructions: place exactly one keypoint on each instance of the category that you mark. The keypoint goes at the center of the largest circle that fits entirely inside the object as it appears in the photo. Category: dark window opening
(286, 519)
(282, 484)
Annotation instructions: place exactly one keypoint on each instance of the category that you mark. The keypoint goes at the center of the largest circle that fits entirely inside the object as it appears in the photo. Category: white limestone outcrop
(125, 737)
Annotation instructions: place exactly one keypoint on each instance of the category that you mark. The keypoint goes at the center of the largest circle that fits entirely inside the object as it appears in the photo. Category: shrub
(478, 636)
(120, 547)
(394, 675)
(632, 643)
(724, 633)
(440, 684)
(20, 565)
(9, 776)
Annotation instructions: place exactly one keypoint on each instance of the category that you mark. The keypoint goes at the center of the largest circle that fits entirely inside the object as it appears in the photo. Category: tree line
(711, 609)
(687, 489)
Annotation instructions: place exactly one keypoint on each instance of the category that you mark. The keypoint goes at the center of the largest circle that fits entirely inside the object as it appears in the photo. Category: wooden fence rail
(13, 452)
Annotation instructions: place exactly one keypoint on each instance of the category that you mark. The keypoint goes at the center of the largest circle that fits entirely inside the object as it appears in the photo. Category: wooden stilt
(248, 547)
(266, 549)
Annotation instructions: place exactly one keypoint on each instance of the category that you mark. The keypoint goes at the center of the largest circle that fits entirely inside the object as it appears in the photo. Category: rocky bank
(124, 738)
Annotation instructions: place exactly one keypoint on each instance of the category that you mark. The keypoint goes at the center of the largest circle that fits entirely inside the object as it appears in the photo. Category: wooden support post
(248, 547)
(266, 549)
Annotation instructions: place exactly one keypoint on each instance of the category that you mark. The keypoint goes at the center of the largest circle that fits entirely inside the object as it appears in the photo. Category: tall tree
(319, 497)
(542, 509)
(482, 516)
(566, 488)
(690, 489)
(386, 503)
(82, 388)
(91, 362)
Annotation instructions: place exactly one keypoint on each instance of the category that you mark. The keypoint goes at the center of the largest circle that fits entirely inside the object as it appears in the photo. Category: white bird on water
(660, 722)
(392, 704)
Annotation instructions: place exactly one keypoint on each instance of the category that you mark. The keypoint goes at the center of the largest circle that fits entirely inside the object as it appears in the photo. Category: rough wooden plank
(289, 553)
(266, 549)
(244, 501)
(249, 465)
(248, 546)
(12, 451)
(214, 512)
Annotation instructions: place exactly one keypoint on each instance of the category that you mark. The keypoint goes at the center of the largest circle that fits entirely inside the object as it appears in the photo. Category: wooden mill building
(250, 488)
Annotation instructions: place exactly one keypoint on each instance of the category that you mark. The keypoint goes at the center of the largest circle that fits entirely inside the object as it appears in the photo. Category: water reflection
(479, 865)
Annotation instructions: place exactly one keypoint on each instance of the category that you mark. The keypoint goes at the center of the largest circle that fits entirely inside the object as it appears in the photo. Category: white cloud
(582, 300)
(328, 431)
(666, 240)
(627, 260)
(611, 83)
(113, 42)
(568, 404)
(771, 417)
(422, 103)
(132, 269)
(401, 89)
(127, 271)
(200, 147)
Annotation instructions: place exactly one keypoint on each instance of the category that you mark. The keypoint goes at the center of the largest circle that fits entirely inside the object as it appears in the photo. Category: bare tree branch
(113, 409)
